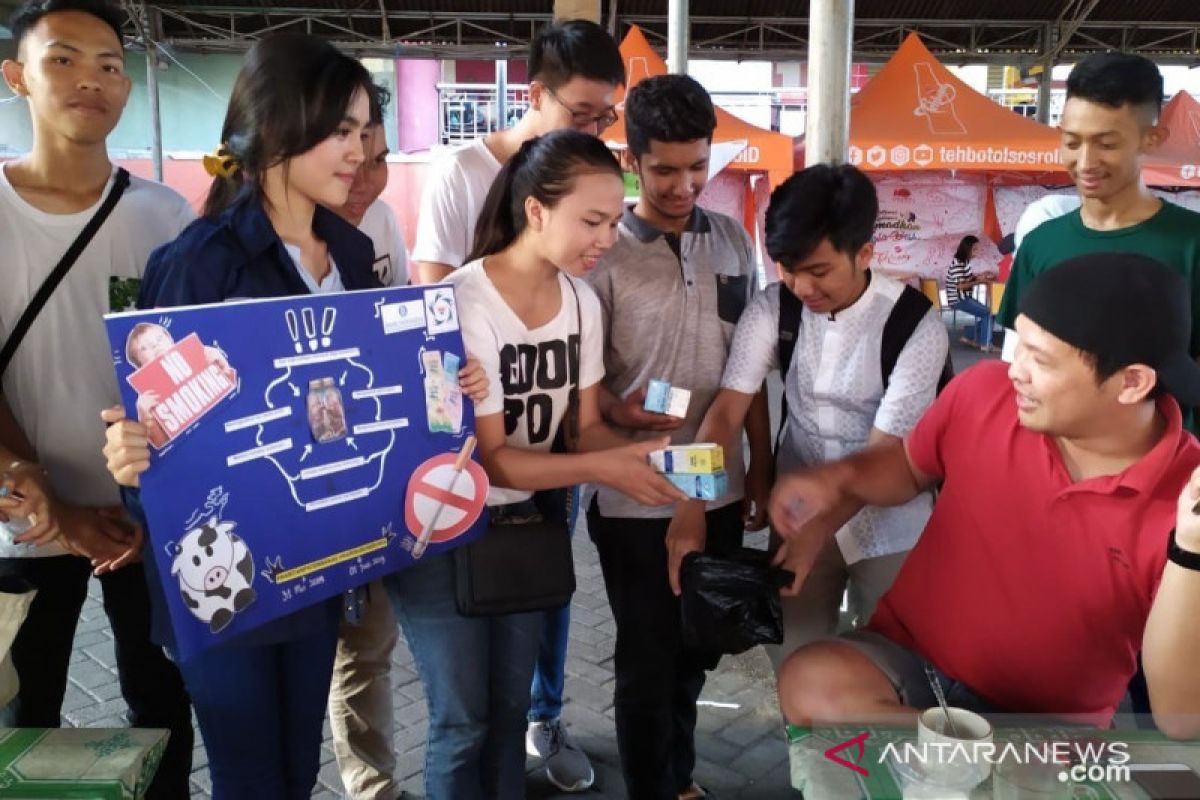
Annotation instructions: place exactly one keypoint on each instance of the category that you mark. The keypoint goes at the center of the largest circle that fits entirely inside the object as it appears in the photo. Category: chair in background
(995, 296)
(930, 288)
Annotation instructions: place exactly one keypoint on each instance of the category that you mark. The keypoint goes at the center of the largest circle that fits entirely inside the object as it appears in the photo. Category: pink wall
(187, 177)
(469, 71)
(416, 103)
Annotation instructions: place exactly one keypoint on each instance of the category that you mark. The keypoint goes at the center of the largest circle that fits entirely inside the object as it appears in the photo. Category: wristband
(1184, 558)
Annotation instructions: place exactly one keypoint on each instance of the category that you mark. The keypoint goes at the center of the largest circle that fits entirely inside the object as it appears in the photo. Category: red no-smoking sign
(430, 487)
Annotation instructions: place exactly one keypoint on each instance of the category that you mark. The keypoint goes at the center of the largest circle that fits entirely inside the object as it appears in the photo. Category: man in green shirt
(1109, 123)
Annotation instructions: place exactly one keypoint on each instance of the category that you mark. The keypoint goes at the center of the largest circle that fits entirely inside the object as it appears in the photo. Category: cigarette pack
(689, 459)
(677, 402)
(663, 398)
(656, 396)
(701, 487)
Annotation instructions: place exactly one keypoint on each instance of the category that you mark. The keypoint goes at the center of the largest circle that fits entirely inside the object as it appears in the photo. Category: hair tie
(222, 164)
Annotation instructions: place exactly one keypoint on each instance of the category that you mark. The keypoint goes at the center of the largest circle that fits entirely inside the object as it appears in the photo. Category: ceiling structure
(1019, 32)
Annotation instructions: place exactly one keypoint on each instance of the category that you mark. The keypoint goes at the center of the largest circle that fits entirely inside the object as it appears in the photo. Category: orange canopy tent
(1176, 162)
(916, 115)
(765, 152)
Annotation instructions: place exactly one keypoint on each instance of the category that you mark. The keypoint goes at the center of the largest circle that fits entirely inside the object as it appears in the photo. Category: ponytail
(497, 225)
(544, 168)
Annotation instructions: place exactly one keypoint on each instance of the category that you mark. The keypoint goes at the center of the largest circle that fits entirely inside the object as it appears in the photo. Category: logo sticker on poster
(405, 316)
(856, 155)
(900, 155)
(434, 494)
(876, 156)
(923, 155)
(441, 313)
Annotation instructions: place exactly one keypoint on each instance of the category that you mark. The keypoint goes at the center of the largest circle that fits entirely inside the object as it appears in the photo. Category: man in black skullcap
(1050, 560)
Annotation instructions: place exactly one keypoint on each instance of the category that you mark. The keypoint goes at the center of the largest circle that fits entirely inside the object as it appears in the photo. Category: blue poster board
(300, 447)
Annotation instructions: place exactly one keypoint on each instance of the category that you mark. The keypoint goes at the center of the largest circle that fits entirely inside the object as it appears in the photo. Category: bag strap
(790, 314)
(42, 296)
(906, 315)
(571, 420)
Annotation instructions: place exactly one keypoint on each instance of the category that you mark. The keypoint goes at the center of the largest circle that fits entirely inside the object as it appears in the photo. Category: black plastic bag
(728, 605)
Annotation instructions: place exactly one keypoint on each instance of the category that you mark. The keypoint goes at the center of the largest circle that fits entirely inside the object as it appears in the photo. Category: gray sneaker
(567, 766)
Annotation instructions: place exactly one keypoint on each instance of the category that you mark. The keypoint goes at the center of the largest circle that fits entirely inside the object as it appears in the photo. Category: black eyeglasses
(585, 119)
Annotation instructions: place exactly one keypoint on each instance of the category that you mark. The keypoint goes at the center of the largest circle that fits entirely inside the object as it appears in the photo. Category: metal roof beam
(475, 34)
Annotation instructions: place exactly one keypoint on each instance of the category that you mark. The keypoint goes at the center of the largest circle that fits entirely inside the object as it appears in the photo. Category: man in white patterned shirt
(842, 391)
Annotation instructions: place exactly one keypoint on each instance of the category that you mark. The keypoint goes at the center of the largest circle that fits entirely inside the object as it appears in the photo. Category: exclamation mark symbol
(310, 327)
(290, 316)
(327, 318)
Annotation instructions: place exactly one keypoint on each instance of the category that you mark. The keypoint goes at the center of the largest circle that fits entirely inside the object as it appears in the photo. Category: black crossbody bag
(523, 562)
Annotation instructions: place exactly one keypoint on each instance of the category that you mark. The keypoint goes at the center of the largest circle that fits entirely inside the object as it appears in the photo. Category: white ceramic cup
(951, 759)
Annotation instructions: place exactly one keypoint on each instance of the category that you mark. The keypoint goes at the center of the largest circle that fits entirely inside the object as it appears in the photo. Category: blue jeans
(476, 673)
(983, 321)
(550, 671)
(260, 710)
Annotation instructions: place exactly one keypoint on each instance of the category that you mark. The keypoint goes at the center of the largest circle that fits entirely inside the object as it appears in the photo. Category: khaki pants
(360, 701)
(15, 598)
(813, 614)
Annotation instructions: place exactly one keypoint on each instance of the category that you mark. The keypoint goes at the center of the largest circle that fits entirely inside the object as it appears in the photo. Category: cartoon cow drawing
(215, 570)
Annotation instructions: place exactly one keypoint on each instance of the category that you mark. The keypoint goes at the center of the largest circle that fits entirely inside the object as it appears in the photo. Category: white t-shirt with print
(835, 394)
(455, 189)
(391, 254)
(527, 369)
(62, 374)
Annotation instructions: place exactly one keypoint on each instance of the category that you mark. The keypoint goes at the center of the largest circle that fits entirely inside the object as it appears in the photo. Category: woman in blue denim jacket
(292, 141)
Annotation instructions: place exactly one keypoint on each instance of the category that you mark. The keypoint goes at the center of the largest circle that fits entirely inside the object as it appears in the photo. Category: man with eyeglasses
(574, 70)
(584, 119)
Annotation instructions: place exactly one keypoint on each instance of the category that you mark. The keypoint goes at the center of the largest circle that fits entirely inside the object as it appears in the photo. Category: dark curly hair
(667, 108)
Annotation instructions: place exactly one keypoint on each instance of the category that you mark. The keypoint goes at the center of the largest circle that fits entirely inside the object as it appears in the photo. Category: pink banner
(922, 220)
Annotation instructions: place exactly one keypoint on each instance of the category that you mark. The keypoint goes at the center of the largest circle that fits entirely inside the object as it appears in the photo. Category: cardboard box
(701, 487)
(100, 763)
(689, 459)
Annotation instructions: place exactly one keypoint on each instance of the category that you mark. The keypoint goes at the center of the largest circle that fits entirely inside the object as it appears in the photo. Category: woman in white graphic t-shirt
(536, 328)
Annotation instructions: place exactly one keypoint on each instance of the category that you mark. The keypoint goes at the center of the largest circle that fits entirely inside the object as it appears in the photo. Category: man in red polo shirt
(1046, 565)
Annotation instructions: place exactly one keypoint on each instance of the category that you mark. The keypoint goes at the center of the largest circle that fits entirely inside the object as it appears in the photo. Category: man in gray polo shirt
(672, 289)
